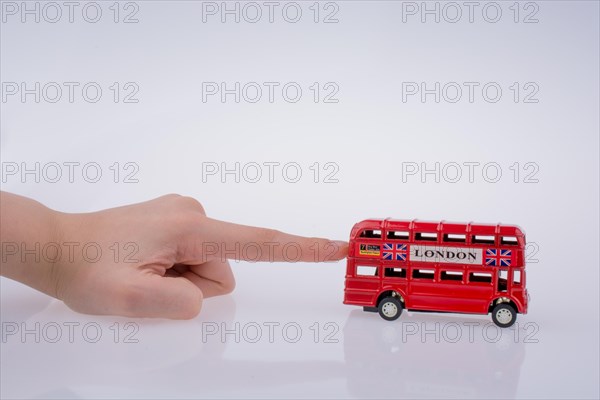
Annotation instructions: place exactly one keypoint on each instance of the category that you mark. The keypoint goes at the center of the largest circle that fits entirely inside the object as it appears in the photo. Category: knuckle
(192, 204)
(171, 196)
(185, 201)
(269, 235)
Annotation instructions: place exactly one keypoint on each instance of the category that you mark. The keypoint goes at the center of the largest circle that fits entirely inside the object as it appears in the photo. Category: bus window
(509, 240)
(482, 239)
(516, 277)
(397, 235)
(455, 238)
(451, 276)
(371, 233)
(423, 273)
(395, 272)
(428, 236)
(480, 277)
(502, 280)
(366, 270)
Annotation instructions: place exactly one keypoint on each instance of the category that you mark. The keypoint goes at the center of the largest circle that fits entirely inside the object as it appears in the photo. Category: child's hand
(154, 259)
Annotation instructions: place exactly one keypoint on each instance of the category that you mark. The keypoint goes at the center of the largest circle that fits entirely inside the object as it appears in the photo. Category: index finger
(242, 242)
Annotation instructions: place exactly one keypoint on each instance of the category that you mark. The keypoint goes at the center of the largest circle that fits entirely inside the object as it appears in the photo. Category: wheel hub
(389, 309)
(504, 316)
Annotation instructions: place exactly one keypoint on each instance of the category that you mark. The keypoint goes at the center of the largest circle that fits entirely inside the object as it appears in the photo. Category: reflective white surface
(342, 352)
(283, 343)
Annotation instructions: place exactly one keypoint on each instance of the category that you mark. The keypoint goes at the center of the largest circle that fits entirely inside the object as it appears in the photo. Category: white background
(370, 135)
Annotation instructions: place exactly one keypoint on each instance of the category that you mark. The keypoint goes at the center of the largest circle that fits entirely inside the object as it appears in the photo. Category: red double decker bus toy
(437, 266)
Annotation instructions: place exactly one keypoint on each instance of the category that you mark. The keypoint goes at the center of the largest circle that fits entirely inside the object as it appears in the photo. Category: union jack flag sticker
(393, 251)
(498, 258)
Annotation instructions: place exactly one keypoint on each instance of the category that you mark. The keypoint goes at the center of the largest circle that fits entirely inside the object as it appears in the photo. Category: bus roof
(439, 226)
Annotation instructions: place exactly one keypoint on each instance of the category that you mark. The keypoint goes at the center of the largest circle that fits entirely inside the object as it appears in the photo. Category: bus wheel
(390, 308)
(504, 315)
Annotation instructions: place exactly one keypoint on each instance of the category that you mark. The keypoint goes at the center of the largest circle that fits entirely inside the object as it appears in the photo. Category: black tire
(504, 315)
(390, 308)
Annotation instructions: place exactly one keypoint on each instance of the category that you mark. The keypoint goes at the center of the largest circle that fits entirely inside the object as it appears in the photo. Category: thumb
(156, 296)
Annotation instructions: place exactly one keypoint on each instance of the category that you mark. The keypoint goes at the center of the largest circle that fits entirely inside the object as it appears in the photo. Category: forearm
(26, 227)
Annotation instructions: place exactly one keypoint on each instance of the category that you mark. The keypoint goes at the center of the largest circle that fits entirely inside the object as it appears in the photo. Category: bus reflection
(431, 356)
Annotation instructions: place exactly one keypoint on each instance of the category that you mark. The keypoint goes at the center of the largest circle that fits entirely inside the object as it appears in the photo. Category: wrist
(30, 235)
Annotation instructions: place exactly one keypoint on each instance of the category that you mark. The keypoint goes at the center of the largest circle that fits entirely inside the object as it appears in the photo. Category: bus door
(362, 282)
(502, 281)
(363, 277)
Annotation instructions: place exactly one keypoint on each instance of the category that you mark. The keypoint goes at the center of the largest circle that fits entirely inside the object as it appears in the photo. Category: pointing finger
(242, 242)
